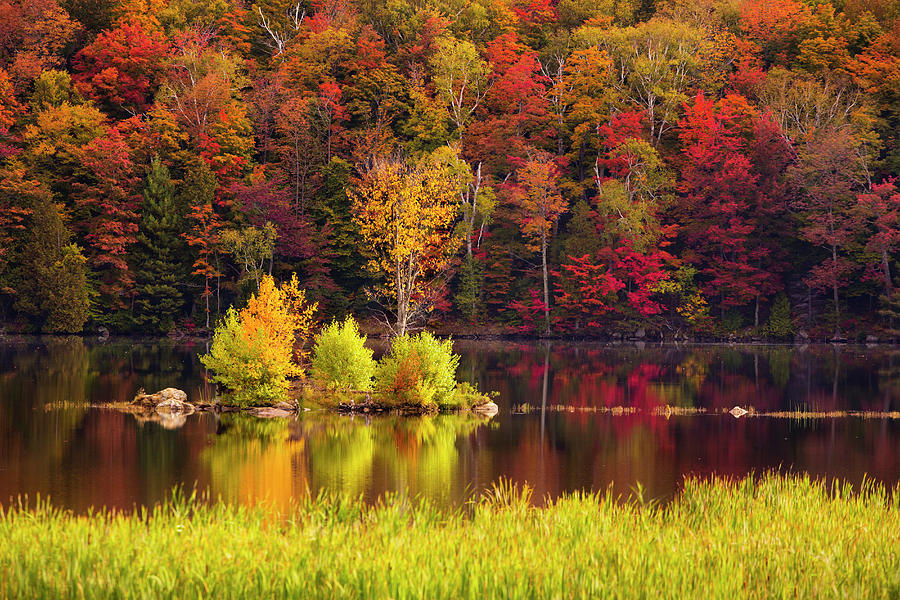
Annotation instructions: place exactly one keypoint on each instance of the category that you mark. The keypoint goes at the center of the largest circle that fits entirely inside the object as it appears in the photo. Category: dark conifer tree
(159, 254)
(54, 290)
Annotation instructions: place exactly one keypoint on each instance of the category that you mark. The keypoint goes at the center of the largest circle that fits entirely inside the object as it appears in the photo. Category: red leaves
(621, 127)
(265, 200)
(123, 67)
(106, 198)
(535, 12)
(530, 312)
(882, 208)
(723, 203)
(619, 281)
(593, 290)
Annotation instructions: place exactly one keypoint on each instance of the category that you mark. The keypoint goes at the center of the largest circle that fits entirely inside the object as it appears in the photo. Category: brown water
(56, 441)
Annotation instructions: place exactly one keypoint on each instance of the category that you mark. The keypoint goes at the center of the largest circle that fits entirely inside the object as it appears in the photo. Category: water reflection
(252, 459)
(56, 438)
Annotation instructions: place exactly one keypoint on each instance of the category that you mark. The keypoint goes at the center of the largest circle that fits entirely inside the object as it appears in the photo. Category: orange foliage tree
(256, 349)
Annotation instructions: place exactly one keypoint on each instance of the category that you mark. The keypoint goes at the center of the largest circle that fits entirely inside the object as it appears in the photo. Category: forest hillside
(573, 167)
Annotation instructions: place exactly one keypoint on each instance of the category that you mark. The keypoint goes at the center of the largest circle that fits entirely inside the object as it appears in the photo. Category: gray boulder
(161, 396)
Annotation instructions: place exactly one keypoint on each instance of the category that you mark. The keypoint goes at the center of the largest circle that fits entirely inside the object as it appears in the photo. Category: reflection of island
(54, 438)
(279, 459)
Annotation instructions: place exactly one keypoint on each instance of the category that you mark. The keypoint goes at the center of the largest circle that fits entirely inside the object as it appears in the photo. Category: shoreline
(611, 341)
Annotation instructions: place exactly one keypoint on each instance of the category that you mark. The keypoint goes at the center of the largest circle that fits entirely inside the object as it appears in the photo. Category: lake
(572, 416)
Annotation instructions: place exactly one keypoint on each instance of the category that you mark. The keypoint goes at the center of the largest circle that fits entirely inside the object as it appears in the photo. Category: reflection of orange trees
(254, 459)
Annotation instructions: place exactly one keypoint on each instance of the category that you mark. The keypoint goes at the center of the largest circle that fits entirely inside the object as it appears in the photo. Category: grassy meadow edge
(764, 536)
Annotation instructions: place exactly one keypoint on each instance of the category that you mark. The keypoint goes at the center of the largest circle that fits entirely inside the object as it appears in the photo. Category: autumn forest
(567, 167)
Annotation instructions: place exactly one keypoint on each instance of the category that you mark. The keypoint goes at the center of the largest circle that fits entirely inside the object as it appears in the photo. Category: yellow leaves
(282, 315)
(62, 129)
(256, 349)
(694, 308)
(587, 72)
(405, 214)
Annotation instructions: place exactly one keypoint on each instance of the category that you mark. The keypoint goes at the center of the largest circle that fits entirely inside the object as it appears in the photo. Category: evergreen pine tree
(54, 289)
(159, 254)
(780, 322)
(347, 256)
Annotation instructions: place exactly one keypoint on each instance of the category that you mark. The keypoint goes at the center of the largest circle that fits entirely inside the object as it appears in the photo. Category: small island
(271, 365)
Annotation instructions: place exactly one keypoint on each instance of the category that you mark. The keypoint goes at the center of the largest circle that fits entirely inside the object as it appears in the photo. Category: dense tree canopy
(568, 166)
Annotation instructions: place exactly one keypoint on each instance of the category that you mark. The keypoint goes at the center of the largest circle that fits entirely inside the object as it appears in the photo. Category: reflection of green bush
(341, 359)
(238, 426)
(438, 456)
(409, 451)
(780, 366)
(341, 451)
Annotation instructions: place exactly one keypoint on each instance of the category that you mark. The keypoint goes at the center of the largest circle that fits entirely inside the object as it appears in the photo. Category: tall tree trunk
(756, 314)
(546, 284)
(837, 307)
(401, 303)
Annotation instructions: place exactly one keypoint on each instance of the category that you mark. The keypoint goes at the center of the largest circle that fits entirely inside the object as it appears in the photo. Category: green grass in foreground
(774, 536)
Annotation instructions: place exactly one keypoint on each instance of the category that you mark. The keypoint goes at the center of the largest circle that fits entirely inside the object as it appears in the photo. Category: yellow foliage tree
(406, 215)
(255, 350)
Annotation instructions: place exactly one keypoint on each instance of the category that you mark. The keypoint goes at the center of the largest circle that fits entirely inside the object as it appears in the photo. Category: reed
(756, 537)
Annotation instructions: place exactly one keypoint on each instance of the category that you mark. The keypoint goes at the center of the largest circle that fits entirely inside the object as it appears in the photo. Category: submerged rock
(737, 412)
(270, 412)
(488, 409)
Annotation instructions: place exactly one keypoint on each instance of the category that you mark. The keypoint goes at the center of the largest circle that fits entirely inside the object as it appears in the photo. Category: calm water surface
(57, 440)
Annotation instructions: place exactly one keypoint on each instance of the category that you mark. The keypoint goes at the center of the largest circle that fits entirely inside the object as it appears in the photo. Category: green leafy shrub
(237, 363)
(341, 359)
(420, 370)
(465, 395)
